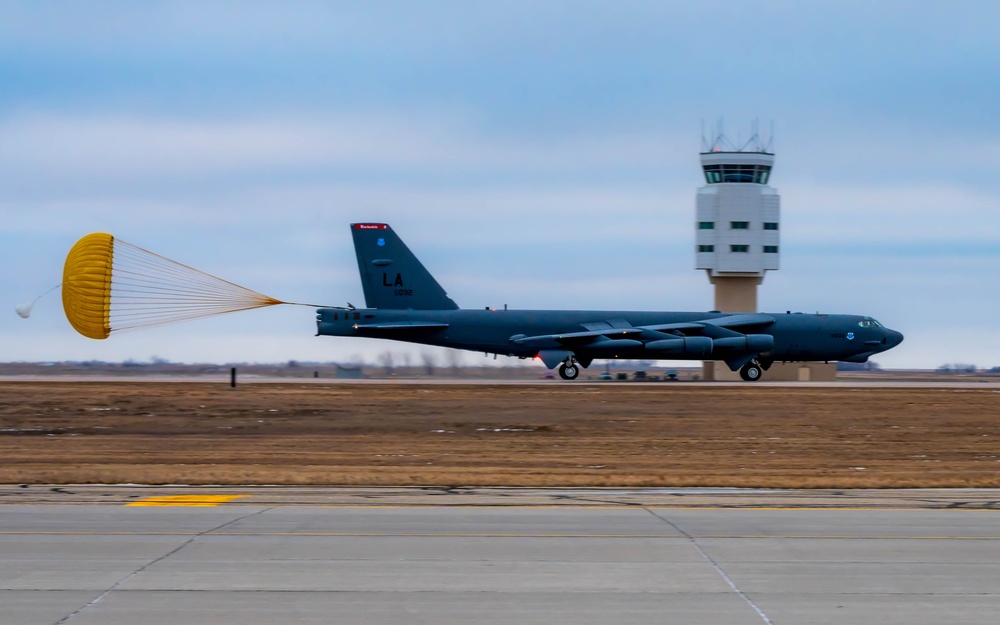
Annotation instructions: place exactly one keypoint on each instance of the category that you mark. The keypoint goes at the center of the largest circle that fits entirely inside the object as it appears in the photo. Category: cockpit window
(869, 323)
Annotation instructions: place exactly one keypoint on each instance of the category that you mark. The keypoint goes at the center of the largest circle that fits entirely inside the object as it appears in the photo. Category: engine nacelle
(687, 346)
(614, 345)
(759, 343)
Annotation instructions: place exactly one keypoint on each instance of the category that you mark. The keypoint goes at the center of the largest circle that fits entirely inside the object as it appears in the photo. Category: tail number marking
(397, 282)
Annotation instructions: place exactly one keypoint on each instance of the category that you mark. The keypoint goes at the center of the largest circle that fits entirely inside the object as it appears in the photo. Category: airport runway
(238, 555)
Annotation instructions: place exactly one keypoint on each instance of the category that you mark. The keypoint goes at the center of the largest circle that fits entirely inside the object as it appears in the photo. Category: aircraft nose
(893, 339)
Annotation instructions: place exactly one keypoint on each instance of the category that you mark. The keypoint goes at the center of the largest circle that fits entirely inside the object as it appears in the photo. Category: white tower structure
(738, 216)
(738, 236)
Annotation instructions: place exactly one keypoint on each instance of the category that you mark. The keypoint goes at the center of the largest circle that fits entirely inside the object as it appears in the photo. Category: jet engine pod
(760, 342)
(614, 345)
(748, 343)
(687, 346)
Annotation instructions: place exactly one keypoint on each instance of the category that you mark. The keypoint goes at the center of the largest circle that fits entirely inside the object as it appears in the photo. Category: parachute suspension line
(110, 285)
(150, 290)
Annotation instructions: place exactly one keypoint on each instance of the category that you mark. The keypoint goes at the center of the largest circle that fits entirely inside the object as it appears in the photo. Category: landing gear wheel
(750, 372)
(569, 372)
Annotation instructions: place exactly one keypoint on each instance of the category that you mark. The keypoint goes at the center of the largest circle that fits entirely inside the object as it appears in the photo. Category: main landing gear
(569, 370)
(751, 371)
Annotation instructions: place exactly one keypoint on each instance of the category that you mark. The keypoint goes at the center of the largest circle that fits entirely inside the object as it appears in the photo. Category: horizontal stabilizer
(403, 325)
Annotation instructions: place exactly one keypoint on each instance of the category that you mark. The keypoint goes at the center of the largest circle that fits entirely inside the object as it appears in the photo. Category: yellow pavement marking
(213, 500)
(203, 501)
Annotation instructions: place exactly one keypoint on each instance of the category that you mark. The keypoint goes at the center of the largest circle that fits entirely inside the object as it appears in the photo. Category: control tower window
(757, 174)
(706, 225)
(739, 225)
(739, 249)
(738, 173)
(770, 225)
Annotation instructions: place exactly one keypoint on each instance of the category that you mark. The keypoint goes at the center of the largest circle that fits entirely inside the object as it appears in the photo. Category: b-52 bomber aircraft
(405, 303)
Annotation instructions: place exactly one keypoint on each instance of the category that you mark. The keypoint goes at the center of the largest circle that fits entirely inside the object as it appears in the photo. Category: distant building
(349, 372)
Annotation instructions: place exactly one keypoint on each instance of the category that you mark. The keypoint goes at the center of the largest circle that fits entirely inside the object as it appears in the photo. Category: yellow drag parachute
(86, 289)
(110, 285)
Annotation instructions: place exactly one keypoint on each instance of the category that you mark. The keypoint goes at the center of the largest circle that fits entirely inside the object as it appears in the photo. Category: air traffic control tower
(738, 235)
(738, 221)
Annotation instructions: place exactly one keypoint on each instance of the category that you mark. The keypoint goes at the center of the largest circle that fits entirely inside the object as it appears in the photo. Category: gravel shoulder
(498, 435)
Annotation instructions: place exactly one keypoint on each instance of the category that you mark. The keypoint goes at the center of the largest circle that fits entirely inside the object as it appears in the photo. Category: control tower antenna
(719, 142)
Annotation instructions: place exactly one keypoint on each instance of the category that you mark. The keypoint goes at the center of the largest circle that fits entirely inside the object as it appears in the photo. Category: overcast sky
(540, 154)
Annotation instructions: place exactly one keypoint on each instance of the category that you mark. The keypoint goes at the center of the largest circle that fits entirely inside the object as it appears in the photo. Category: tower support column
(738, 294)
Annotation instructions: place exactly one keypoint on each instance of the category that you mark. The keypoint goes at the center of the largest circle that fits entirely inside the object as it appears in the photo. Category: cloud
(65, 170)
(907, 212)
(124, 148)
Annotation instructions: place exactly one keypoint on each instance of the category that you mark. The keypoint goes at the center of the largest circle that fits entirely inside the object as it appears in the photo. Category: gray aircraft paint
(405, 303)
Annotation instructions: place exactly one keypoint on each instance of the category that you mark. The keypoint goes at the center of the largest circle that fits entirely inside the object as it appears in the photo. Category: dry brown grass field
(577, 434)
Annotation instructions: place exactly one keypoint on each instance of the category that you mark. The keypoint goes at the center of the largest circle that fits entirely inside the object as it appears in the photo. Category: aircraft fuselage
(796, 336)
(406, 303)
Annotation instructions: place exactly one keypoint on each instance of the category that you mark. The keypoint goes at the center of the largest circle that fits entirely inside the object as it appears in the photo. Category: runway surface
(240, 555)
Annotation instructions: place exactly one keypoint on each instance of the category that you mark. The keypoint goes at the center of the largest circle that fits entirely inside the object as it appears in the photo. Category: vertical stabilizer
(391, 275)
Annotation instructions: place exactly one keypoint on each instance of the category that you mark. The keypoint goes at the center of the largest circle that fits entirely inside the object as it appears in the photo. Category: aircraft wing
(736, 321)
(576, 337)
(729, 321)
(619, 330)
